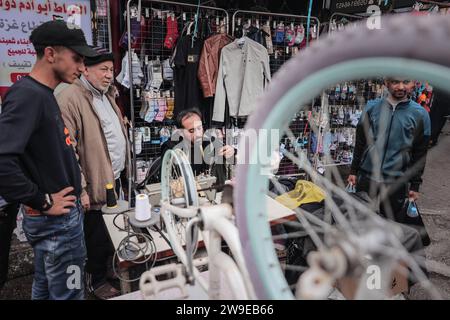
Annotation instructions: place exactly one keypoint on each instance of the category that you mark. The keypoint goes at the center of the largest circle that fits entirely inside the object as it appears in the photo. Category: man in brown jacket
(99, 136)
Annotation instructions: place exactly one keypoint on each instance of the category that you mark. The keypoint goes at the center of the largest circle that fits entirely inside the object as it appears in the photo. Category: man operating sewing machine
(205, 151)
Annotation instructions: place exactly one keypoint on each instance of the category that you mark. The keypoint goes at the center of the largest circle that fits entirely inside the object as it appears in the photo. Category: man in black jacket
(203, 153)
(38, 167)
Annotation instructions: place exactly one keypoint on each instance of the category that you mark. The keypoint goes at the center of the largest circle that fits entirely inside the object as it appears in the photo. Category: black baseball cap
(101, 57)
(59, 33)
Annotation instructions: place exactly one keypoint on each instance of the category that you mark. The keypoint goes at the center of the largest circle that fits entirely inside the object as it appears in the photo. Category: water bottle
(412, 209)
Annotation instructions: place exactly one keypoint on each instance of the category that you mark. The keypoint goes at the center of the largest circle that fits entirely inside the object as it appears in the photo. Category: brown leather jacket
(209, 62)
(80, 117)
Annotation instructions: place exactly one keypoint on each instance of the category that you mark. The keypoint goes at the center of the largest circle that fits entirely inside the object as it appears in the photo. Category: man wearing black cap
(38, 167)
(98, 132)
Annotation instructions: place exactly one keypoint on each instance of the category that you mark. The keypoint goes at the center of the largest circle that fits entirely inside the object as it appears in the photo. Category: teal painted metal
(260, 238)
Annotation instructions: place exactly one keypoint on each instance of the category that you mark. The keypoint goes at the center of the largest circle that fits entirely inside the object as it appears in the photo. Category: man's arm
(20, 117)
(72, 122)
(419, 153)
(362, 130)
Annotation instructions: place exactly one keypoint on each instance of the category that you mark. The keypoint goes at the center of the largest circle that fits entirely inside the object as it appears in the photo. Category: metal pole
(130, 70)
(108, 13)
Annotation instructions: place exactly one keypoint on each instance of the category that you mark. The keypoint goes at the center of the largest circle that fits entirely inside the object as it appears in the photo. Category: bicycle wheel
(178, 188)
(355, 53)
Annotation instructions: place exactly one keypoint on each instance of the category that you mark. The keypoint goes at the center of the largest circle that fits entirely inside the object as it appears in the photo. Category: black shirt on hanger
(187, 88)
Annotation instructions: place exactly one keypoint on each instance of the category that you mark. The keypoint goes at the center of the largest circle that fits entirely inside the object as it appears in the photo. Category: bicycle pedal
(150, 286)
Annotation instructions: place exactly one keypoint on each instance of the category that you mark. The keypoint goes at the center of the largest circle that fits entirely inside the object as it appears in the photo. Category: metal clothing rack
(101, 25)
(270, 15)
(151, 48)
(281, 53)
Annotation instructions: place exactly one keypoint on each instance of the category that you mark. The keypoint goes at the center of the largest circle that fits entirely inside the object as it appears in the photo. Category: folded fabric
(304, 192)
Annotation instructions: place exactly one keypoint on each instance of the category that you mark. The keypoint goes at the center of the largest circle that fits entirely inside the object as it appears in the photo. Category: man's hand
(61, 201)
(352, 180)
(413, 195)
(85, 201)
(227, 151)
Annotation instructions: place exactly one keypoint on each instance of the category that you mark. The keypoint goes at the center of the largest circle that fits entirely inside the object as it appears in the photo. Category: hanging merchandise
(209, 62)
(152, 107)
(124, 76)
(172, 32)
(257, 34)
(138, 141)
(186, 62)
(170, 106)
(157, 28)
(279, 34)
(187, 87)
(244, 72)
(300, 35)
(268, 38)
(170, 52)
(164, 135)
(290, 36)
(167, 70)
(137, 31)
(154, 75)
(162, 109)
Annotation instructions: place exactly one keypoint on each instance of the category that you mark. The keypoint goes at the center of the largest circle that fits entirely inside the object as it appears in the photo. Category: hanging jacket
(209, 63)
(244, 73)
(389, 141)
(258, 35)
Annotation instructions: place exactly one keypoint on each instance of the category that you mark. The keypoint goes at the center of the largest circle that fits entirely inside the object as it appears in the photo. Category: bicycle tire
(352, 54)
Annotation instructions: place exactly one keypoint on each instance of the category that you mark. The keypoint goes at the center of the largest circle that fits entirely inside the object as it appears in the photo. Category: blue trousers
(59, 255)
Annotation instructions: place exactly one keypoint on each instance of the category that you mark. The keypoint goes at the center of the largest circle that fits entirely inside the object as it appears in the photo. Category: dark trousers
(98, 244)
(99, 247)
(391, 196)
(7, 224)
(438, 120)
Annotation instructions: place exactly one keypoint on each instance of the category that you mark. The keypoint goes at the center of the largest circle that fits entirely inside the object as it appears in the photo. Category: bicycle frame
(217, 225)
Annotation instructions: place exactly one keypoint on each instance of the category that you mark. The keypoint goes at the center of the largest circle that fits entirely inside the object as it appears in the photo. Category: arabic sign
(19, 18)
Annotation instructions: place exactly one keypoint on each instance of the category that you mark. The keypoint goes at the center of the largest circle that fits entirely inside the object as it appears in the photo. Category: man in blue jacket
(392, 139)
